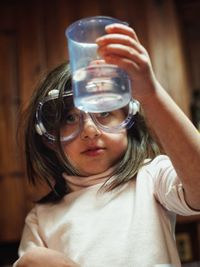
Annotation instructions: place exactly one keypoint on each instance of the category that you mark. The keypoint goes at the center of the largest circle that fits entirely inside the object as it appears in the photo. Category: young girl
(113, 198)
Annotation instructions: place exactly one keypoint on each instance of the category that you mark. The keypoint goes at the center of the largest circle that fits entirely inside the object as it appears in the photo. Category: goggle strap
(135, 107)
(40, 128)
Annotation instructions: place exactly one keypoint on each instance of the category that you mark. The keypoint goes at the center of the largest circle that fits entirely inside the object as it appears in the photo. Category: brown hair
(43, 162)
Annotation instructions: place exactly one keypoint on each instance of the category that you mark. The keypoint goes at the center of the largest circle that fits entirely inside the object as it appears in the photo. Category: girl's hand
(44, 257)
(120, 46)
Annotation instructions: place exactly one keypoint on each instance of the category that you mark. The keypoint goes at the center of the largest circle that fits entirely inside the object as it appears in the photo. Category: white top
(132, 226)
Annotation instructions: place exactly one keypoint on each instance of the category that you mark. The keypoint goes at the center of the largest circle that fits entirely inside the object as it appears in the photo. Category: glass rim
(75, 23)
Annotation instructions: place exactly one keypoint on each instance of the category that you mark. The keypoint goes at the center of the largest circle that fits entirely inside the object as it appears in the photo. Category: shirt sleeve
(31, 235)
(168, 189)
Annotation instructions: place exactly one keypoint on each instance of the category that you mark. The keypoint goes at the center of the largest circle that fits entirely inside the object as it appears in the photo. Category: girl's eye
(71, 118)
(103, 114)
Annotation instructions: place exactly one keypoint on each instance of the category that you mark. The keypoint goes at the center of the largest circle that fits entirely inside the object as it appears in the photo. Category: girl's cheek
(120, 141)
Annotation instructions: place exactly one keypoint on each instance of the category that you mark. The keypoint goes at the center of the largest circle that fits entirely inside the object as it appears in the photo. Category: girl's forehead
(54, 100)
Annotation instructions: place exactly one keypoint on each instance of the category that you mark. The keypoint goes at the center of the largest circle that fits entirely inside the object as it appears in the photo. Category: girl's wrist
(147, 95)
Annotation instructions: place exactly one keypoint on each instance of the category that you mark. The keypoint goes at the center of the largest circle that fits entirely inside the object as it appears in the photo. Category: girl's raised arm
(178, 136)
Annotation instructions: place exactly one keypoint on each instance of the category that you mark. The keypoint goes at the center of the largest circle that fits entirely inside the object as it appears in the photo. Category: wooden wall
(32, 41)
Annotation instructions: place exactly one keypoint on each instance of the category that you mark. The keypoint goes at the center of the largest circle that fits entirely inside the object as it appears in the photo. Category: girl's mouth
(94, 151)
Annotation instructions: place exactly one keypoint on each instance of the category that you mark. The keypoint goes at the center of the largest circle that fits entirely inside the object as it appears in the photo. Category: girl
(113, 197)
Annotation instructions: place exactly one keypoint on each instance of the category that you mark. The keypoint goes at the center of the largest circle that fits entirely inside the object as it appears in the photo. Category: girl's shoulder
(160, 160)
(157, 165)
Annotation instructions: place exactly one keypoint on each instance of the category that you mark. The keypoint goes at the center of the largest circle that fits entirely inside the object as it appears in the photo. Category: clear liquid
(100, 88)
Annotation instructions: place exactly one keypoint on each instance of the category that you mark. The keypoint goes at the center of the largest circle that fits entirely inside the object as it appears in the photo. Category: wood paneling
(12, 200)
(188, 13)
(32, 41)
(166, 49)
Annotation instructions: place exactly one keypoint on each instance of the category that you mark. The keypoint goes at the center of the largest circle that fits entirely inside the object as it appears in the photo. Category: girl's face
(94, 151)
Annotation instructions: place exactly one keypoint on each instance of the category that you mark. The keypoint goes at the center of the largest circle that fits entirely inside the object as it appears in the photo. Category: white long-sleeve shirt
(132, 226)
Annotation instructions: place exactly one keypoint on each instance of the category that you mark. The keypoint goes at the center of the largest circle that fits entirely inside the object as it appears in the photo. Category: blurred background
(32, 41)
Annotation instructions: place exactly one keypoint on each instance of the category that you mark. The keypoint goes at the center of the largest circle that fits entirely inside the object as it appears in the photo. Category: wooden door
(11, 171)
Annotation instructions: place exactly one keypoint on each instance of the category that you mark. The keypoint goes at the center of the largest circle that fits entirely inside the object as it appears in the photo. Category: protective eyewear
(57, 118)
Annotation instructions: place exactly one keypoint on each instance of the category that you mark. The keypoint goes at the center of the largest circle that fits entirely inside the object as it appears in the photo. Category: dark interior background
(32, 41)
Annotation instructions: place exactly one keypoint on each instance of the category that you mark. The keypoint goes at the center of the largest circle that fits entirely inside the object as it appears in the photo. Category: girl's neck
(77, 183)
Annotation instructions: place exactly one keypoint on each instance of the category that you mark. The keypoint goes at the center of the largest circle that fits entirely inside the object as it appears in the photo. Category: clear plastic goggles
(57, 118)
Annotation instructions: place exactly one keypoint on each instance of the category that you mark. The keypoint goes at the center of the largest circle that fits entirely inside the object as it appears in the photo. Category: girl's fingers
(120, 46)
(126, 64)
(122, 28)
(122, 51)
(116, 38)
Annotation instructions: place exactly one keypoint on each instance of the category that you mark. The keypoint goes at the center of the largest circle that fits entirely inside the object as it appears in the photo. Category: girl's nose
(90, 130)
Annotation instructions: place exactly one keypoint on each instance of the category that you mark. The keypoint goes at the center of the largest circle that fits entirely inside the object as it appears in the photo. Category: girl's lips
(96, 151)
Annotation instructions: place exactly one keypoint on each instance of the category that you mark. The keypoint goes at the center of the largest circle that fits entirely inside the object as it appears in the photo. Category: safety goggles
(57, 118)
